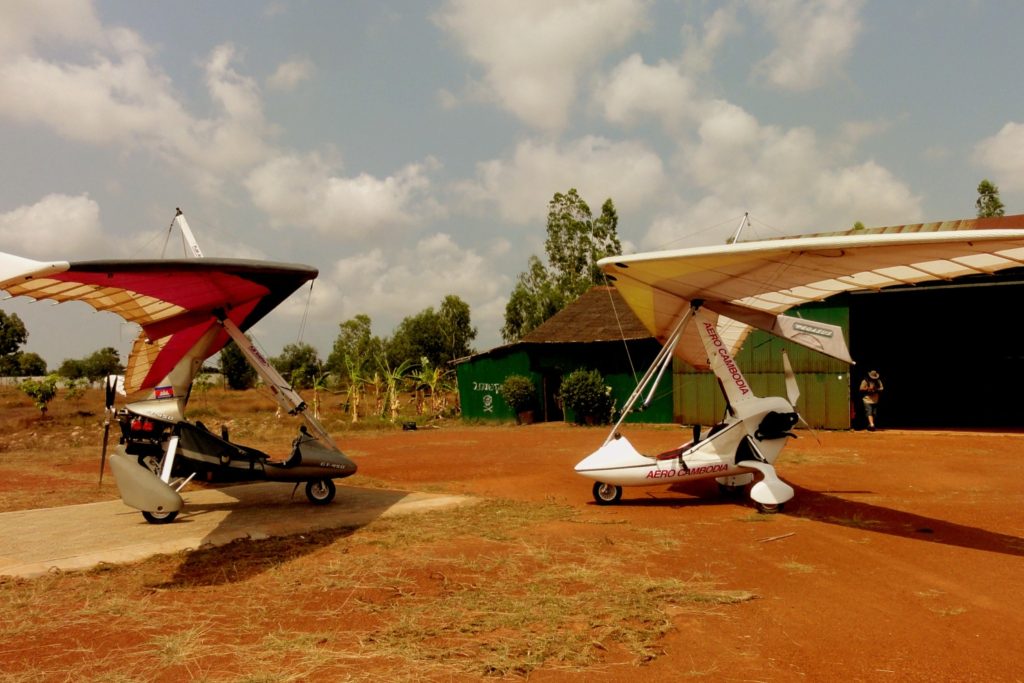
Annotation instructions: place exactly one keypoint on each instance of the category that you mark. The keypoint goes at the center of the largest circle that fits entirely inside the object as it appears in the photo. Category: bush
(518, 392)
(40, 391)
(584, 393)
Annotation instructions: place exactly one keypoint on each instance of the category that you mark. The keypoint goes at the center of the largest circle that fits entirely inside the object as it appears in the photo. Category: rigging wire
(618, 322)
(697, 232)
(305, 314)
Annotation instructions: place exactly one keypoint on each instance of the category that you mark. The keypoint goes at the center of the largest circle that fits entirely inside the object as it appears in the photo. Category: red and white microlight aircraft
(701, 303)
(187, 310)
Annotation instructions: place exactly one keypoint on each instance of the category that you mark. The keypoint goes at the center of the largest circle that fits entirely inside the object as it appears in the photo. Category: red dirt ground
(900, 559)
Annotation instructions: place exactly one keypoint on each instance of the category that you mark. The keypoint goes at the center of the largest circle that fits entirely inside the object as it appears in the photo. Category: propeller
(110, 387)
(793, 392)
(792, 388)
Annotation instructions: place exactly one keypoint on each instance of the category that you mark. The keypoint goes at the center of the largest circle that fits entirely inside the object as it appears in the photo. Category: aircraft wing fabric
(752, 283)
(177, 303)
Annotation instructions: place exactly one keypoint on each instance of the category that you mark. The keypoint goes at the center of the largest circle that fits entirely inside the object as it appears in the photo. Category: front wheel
(159, 517)
(769, 508)
(320, 491)
(607, 494)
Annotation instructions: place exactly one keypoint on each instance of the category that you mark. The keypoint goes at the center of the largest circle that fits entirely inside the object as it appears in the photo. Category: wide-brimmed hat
(873, 374)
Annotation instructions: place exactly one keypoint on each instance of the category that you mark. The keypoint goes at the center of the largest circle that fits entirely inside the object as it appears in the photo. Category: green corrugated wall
(480, 376)
(824, 382)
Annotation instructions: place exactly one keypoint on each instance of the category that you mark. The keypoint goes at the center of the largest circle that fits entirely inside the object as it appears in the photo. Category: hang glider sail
(184, 307)
(752, 284)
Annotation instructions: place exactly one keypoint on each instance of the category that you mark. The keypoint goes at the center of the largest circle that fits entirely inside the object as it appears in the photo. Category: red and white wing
(177, 303)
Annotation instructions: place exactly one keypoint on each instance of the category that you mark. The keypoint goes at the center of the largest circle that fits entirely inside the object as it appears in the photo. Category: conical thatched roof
(600, 314)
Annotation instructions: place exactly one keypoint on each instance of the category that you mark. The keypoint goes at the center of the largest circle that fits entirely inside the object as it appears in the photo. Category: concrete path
(33, 542)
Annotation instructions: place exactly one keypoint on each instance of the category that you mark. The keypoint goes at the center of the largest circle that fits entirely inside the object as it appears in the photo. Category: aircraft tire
(160, 517)
(769, 509)
(607, 494)
(320, 491)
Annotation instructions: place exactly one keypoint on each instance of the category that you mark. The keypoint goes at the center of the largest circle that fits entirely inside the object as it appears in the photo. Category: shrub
(584, 393)
(518, 392)
(40, 391)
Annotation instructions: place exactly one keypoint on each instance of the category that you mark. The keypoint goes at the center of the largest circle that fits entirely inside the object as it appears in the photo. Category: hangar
(948, 353)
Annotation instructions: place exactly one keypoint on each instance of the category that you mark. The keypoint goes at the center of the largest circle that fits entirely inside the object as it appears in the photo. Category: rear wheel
(320, 491)
(607, 494)
(159, 517)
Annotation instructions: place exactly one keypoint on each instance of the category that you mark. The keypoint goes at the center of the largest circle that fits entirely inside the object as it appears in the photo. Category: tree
(534, 299)
(440, 336)
(12, 333)
(576, 241)
(456, 329)
(299, 364)
(988, 203)
(30, 364)
(22, 364)
(355, 348)
(71, 368)
(99, 364)
(236, 369)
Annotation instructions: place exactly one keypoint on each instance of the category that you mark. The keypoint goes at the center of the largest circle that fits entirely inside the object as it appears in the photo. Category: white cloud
(290, 74)
(521, 187)
(1003, 155)
(533, 51)
(634, 90)
(306, 191)
(783, 177)
(57, 226)
(814, 40)
(26, 25)
(113, 95)
(403, 280)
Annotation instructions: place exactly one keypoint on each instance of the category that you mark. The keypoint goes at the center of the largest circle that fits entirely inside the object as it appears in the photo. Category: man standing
(871, 391)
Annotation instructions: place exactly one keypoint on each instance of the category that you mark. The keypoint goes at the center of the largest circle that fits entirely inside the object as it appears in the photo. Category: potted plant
(519, 393)
(585, 394)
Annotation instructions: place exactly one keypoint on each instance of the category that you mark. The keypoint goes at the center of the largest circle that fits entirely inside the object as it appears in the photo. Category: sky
(408, 150)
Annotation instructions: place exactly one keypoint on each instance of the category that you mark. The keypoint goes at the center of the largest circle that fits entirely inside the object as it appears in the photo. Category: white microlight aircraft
(700, 303)
(188, 310)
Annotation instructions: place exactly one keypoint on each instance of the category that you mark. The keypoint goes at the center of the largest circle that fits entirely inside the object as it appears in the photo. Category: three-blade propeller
(793, 391)
(110, 387)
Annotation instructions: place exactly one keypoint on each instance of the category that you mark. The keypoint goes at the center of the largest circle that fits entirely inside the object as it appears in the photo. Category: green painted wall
(480, 376)
(824, 382)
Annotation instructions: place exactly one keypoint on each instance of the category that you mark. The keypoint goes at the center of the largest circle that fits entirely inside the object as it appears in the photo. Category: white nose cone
(616, 454)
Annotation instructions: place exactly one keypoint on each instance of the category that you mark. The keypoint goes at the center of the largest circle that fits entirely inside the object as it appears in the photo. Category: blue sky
(409, 149)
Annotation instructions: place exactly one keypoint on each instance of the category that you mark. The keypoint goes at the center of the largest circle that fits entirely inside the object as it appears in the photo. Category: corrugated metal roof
(1015, 221)
(600, 314)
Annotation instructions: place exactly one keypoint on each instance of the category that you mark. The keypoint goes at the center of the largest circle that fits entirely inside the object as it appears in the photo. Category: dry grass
(481, 590)
(497, 589)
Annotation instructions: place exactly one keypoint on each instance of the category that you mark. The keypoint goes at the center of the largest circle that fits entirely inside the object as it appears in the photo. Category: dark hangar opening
(950, 354)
